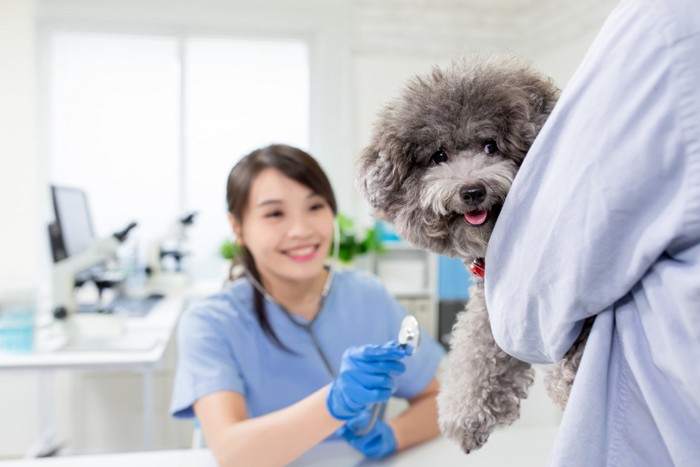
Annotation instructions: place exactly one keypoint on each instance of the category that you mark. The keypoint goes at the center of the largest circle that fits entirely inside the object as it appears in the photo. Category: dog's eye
(439, 156)
(490, 146)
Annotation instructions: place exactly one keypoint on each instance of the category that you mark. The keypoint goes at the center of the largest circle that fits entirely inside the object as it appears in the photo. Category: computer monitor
(72, 232)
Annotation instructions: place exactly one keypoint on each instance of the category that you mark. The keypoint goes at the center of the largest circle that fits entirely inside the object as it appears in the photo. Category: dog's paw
(473, 440)
(469, 430)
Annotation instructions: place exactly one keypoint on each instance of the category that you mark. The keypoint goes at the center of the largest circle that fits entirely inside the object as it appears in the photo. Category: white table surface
(157, 325)
(524, 447)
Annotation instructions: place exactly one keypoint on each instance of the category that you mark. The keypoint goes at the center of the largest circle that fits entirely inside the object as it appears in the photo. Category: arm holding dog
(604, 215)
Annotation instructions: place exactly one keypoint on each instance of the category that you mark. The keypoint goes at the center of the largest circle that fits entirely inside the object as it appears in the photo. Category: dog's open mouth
(476, 217)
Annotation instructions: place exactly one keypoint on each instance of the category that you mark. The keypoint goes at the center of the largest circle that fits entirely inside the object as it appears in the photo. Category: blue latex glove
(367, 377)
(379, 442)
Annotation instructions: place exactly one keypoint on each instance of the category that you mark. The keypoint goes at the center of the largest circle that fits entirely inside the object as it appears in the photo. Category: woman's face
(286, 226)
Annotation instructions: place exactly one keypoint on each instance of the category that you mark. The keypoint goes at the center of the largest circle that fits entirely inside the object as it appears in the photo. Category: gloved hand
(379, 442)
(366, 377)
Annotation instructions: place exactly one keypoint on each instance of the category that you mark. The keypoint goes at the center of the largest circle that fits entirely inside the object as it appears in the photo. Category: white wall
(18, 148)
(18, 196)
(364, 51)
(560, 32)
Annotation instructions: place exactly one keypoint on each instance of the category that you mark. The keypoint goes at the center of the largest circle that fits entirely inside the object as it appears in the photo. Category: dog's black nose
(473, 194)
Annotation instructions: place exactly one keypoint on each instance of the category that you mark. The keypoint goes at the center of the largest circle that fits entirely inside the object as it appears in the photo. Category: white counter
(524, 447)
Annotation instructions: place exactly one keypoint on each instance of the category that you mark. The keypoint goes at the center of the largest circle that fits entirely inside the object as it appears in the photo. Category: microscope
(79, 257)
(166, 255)
(75, 270)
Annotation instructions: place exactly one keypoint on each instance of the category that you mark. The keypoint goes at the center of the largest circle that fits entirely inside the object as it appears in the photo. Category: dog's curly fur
(443, 154)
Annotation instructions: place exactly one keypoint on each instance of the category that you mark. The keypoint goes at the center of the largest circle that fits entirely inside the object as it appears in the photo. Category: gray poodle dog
(442, 158)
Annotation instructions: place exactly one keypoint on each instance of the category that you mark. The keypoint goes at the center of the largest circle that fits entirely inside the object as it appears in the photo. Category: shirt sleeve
(206, 362)
(600, 196)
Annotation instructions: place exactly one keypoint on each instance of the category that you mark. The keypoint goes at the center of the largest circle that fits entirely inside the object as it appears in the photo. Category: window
(114, 124)
(240, 95)
(150, 126)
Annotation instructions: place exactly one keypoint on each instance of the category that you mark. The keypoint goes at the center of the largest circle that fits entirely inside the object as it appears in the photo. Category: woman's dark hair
(294, 164)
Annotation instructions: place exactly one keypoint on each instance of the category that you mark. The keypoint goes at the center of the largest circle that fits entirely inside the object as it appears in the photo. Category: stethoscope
(307, 327)
(408, 337)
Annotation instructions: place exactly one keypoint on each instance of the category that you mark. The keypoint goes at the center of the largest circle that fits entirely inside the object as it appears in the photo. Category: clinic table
(141, 348)
(524, 447)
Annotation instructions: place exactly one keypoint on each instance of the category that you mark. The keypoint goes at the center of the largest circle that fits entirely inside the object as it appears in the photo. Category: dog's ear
(532, 98)
(543, 95)
(383, 167)
(374, 178)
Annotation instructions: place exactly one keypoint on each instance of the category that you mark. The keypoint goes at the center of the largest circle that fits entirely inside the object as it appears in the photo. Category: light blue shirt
(223, 348)
(604, 219)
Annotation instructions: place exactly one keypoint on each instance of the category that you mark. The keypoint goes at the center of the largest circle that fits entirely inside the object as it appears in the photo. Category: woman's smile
(302, 253)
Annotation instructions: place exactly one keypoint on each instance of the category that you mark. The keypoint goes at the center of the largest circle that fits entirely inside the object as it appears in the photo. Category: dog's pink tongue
(475, 217)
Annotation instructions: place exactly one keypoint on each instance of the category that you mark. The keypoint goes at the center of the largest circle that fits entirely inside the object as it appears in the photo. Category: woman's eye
(439, 156)
(490, 146)
(274, 214)
(317, 206)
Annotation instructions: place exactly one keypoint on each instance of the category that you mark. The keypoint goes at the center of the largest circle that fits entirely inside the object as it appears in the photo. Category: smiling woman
(288, 206)
(290, 321)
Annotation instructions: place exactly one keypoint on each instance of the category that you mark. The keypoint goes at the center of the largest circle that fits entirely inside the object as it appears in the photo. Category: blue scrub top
(603, 220)
(223, 348)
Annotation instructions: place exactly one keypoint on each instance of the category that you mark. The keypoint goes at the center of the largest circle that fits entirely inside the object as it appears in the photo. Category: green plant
(351, 244)
(229, 249)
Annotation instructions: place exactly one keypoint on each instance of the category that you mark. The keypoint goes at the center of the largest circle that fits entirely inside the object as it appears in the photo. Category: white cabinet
(410, 275)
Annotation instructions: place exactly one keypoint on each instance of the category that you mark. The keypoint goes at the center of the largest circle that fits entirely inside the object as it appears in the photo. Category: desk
(524, 447)
(156, 327)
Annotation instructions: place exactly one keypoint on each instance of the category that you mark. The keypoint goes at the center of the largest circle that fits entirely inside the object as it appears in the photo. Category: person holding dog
(294, 352)
(603, 220)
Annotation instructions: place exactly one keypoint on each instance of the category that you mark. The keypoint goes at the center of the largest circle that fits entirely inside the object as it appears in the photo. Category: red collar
(477, 267)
